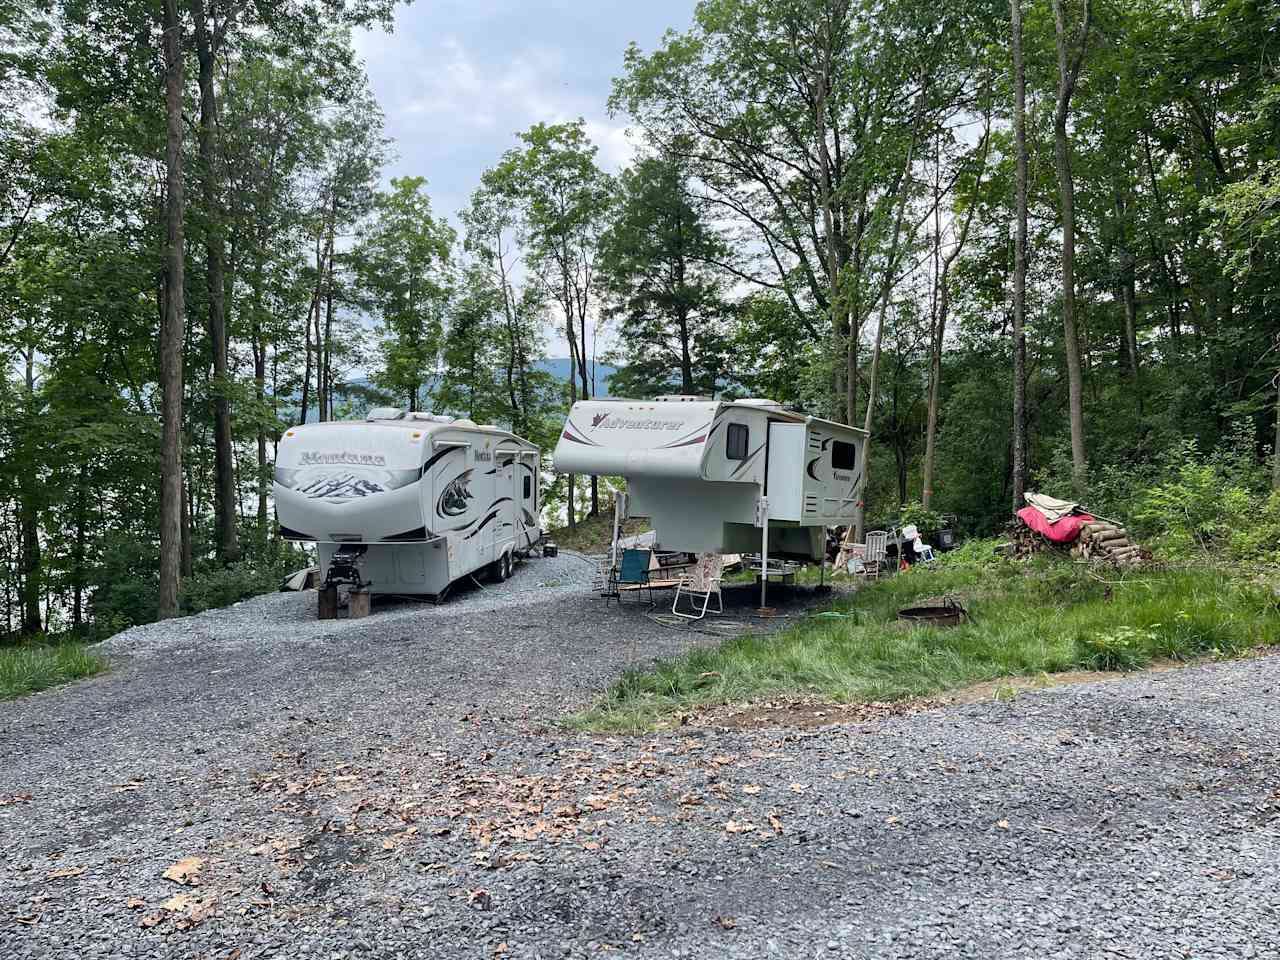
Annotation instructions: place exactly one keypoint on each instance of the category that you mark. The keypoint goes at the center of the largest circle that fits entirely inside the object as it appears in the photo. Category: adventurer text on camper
(364, 459)
(624, 423)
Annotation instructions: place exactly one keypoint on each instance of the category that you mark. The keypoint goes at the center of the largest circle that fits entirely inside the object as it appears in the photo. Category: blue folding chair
(632, 575)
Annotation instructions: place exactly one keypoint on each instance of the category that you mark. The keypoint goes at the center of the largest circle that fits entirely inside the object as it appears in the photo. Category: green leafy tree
(660, 264)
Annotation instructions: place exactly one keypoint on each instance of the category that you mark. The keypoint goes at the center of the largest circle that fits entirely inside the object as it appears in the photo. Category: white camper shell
(698, 469)
(421, 500)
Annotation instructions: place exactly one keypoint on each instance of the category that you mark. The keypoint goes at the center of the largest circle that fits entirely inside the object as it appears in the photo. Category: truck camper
(408, 503)
(723, 476)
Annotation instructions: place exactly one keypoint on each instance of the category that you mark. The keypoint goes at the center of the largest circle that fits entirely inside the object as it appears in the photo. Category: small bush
(221, 586)
(1124, 648)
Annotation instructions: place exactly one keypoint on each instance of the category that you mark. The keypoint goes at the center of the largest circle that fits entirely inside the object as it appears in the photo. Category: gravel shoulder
(397, 787)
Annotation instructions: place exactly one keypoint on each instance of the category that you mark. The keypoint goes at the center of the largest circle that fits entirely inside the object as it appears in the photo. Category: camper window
(735, 447)
(528, 487)
(844, 456)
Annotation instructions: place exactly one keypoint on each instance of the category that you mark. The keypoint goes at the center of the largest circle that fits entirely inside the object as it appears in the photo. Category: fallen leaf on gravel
(64, 873)
(233, 955)
(591, 845)
(151, 919)
(185, 871)
(179, 901)
(775, 823)
(1002, 824)
(196, 914)
(739, 826)
(799, 787)
(388, 845)
(727, 923)
(15, 798)
(690, 800)
(135, 903)
(480, 897)
(29, 921)
(751, 788)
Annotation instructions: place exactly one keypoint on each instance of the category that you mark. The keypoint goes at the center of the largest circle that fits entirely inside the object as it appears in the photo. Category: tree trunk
(1069, 63)
(29, 511)
(225, 494)
(1275, 452)
(172, 327)
(1019, 439)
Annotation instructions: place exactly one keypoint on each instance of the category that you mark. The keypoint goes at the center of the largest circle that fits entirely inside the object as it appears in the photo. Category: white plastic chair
(922, 550)
(701, 585)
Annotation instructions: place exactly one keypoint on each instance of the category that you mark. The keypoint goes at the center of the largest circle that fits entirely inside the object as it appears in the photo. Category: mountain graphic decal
(341, 486)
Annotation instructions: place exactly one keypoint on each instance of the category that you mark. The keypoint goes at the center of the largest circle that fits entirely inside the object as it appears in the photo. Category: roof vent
(431, 417)
(385, 413)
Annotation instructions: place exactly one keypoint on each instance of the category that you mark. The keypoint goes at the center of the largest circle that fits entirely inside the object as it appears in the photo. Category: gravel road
(395, 787)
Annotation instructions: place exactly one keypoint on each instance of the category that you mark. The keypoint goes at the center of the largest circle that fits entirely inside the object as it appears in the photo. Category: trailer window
(844, 456)
(736, 443)
(528, 487)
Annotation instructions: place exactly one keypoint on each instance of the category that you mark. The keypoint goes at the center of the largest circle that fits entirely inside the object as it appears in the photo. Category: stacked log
(1105, 542)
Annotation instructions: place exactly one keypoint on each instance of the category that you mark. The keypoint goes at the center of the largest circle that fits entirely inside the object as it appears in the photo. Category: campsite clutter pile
(1047, 523)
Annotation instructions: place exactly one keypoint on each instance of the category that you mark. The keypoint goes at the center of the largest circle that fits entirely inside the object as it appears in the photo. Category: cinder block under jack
(766, 612)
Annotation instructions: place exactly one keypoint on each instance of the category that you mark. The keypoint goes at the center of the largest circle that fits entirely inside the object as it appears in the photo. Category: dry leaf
(64, 873)
(135, 903)
(892, 821)
(151, 919)
(186, 871)
(799, 787)
(1002, 824)
(775, 823)
(739, 826)
(591, 845)
(727, 923)
(29, 921)
(388, 845)
(15, 798)
(179, 901)
(751, 788)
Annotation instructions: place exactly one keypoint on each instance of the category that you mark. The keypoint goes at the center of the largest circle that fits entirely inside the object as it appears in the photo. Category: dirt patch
(802, 713)
(806, 713)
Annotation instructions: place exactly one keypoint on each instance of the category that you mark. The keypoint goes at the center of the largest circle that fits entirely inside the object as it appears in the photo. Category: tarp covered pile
(1049, 522)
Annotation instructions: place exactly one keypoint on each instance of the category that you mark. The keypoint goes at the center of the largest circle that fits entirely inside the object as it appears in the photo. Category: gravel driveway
(393, 787)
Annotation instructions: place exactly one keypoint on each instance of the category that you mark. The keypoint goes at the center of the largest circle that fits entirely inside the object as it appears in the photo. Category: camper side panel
(833, 474)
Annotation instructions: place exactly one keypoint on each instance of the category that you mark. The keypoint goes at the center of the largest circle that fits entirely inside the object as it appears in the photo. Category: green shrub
(221, 586)
(926, 520)
(1209, 507)
(1124, 648)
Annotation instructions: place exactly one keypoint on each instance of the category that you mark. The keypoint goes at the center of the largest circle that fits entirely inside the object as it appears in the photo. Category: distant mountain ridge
(560, 368)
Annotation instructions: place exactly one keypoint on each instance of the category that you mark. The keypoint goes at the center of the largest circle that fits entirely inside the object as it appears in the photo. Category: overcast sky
(458, 79)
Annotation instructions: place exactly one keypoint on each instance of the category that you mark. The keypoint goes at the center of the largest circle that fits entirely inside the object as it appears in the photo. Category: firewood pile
(1105, 542)
(1100, 541)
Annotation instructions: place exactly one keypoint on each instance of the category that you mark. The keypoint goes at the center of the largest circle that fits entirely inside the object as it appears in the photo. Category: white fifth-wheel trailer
(408, 503)
(731, 476)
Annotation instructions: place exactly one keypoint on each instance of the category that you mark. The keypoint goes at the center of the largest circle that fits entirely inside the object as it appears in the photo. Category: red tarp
(1064, 531)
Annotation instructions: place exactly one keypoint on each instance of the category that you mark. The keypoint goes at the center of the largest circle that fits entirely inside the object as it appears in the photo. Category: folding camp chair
(877, 550)
(701, 585)
(632, 574)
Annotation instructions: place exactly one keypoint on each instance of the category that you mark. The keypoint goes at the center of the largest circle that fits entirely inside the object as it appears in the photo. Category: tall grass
(1026, 620)
(26, 669)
